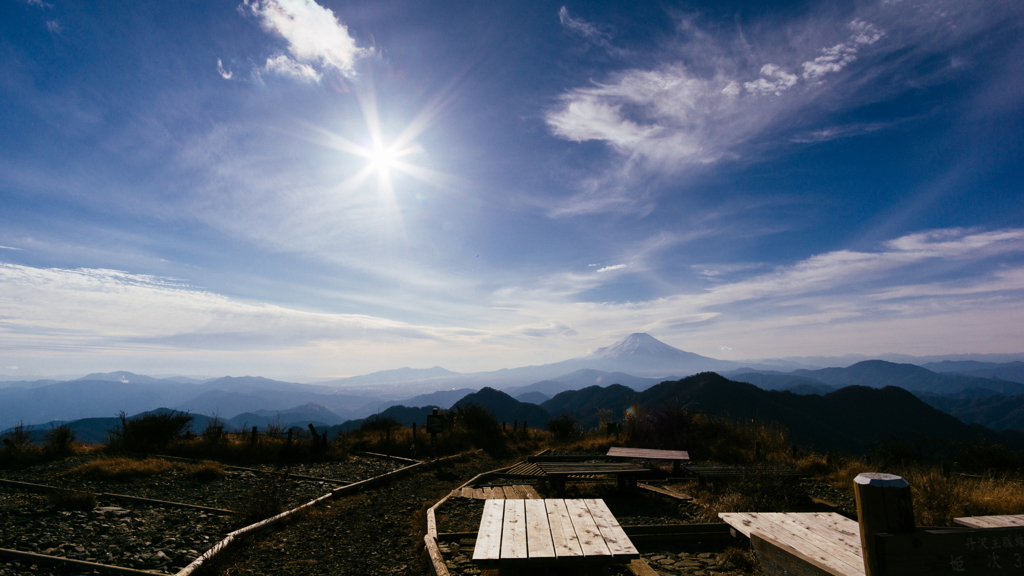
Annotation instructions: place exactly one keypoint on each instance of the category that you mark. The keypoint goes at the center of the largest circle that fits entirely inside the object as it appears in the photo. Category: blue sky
(292, 188)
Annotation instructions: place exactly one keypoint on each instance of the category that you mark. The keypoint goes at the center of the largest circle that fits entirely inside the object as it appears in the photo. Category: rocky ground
(158, 538)
(375, 532)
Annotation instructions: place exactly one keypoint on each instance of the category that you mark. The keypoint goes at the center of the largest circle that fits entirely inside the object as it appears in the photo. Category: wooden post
(254, 436)
(883, 506)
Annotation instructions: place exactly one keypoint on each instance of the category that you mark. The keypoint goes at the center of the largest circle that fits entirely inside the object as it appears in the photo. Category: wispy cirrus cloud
(579, 26)
(717, 95)
(317, 40)
(224, 72)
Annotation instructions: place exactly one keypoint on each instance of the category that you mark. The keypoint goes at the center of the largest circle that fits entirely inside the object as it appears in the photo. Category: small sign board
(435, 423)
(974, 551)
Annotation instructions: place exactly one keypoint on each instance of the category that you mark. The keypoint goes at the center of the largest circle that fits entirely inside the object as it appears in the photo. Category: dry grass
(73, 499)
(129, 469)
(738, 559)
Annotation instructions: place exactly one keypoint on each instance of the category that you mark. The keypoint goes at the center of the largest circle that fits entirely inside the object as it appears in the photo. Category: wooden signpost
(890, 544)
(435, 425)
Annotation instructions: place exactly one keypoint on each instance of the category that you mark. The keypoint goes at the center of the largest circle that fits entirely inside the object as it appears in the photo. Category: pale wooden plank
(488, 537)
(513, 492)
(563, 535)
(778, 559)
(586, 529)
(513, 532)
(529, 492)
(831, 539)
(990, 521)
(538, 531)
(488, 493)
(648, 453)
(614, 537)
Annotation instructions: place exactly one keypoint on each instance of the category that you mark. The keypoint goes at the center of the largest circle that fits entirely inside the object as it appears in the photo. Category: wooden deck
(832, 541)
(518, 492)
(544, 533)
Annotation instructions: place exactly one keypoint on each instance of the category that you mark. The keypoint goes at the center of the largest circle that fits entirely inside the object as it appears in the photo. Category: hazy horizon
(328, 189)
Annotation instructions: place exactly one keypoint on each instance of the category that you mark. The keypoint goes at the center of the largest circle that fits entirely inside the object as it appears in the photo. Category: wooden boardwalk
(518, 492)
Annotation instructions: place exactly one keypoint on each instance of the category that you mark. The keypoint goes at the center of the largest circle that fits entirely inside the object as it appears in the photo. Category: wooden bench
(884, 542)
(550, 533)
(708, 472)
(675, 456)
(559, 472)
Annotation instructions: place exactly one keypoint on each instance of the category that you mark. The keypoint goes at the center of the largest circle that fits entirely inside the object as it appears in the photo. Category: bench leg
(557, 485)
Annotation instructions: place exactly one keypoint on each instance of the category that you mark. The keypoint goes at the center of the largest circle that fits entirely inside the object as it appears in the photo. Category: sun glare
(381, 158)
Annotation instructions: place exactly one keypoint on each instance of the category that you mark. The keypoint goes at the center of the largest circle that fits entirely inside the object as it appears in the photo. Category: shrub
(760, 489)
(148, 433)
(564, 428)
(214, 431)
(59, 440)
(18, 438)
(481, 426)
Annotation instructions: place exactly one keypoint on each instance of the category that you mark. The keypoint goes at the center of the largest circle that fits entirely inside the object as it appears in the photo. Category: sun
(381, 158)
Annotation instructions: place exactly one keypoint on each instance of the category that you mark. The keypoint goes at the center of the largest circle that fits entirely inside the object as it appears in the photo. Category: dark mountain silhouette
(779, 381)
(546, 387)
(584, 405)
(879, 373)
(443, 398)
(506, 408)
(537, 398)
(309, 411)
(1012, 371)
(996, 412)
(404, 415)
(849, 419)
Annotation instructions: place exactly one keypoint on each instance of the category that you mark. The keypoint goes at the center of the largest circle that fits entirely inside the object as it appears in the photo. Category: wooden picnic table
(675, 456)
(559, 472)
(554, 532)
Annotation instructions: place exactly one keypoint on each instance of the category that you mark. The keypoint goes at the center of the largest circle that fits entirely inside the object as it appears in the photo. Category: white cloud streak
(578, 25)
(224, 73)
(841, 296)
(317, 40)
(285, 66)
(717, 96)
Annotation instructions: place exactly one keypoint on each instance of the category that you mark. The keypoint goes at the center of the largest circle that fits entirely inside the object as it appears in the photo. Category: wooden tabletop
(550, 532)
(1014, 521)
(648, 453)
(830, 539)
